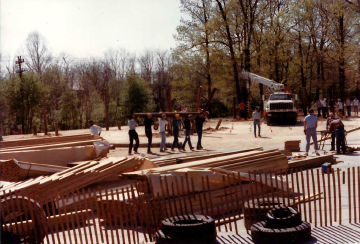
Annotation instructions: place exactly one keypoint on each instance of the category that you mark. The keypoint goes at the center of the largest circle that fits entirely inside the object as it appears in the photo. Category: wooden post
(56, 129)
(107, 109)
(234, 108)
(119, 125)
(34, 130)
(198, 98)
(209, 100)
(218, 124)
(44, 112)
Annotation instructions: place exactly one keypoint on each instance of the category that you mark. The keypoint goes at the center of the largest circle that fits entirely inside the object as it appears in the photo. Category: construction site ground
(240, 134)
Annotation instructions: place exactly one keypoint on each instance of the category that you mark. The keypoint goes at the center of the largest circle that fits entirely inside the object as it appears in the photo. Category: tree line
(312, 46)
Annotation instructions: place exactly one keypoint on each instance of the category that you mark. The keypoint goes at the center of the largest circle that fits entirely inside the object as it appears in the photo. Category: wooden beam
(198, 99)
(168, 114)
(218, 124)
(210, 98)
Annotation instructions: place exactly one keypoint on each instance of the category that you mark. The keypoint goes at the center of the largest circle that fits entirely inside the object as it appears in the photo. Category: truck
(278, 105)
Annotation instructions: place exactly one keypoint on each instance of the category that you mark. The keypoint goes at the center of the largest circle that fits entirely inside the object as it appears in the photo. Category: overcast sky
(84, 28)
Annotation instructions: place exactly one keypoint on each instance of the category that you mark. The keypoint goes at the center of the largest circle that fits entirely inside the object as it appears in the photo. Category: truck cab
(280, 106)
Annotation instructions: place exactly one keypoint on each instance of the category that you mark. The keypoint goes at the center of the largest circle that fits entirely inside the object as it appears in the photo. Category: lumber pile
(245, 161)
(292, 146)
(14, 171)
(73, 178)
(25, 143)
(311, 162)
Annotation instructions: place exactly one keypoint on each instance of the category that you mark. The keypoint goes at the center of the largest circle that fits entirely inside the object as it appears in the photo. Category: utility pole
(22, 90)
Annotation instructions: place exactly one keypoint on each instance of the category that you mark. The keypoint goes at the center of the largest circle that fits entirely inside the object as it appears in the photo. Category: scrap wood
(328, 138)
(308, 198)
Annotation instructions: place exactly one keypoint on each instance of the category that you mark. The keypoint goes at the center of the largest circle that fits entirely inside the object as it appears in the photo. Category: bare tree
(38, 59)
(146, 62)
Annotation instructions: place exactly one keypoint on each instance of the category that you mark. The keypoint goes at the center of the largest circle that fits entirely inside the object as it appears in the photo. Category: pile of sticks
(292, 146)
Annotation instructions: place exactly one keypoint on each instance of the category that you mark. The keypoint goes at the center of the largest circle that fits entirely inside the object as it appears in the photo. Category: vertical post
(209, 100)
(56, 129)
(119, 125)
(234, 108)
(168, 107)
(107, 109)
(198, 99)
(19, 62)
(44, 112)
(34, 130)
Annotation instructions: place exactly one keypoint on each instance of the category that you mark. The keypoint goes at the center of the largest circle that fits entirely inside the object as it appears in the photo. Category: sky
(88, 28)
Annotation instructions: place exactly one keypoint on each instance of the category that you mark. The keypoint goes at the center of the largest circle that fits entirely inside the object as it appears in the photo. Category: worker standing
(133, 135)
(187, 127)
(324, 108)
(176, 127)
(319, 107)
(310, 125)
(348, 106)
(337, 126)
(148, 121)
(94, 129)
(340, 108)
(162, 124)
(356, 106)
(328, 121)
(199, 121)
(242, 106)
(256, 115)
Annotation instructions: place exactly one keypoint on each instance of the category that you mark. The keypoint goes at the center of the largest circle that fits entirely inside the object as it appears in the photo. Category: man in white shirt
(356, 106)
(340, 108)
(310, 125)
(94, 129)
(162, 124)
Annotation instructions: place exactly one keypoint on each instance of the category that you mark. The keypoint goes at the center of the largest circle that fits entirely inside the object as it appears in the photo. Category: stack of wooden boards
(58, 150)
(74, 178)
(14, 171)
(254, 159)
(292, 146)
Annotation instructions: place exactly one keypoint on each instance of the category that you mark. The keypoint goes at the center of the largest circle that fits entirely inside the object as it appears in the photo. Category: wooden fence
(133, 214)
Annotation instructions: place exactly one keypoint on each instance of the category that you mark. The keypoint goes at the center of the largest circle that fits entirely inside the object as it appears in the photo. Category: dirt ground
(233, 135)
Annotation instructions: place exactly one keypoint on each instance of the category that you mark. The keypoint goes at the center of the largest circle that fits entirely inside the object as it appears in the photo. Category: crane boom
(273, 85)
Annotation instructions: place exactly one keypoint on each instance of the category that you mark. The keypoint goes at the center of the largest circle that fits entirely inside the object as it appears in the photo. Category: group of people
(161, 124)
(333, 125)
(337, 107)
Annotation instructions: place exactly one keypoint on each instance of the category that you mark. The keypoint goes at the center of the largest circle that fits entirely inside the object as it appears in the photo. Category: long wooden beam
(168, 114)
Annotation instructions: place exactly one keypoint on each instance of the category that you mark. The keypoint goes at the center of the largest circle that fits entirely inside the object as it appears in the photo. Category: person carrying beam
(162, 124)
(187, 127)
(133, 135)
(199, 122)
(94, 129)
(310, 125)
(148, 121)
(176, 127)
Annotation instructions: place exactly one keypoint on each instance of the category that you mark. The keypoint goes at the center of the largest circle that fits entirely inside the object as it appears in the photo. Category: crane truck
(279, 105)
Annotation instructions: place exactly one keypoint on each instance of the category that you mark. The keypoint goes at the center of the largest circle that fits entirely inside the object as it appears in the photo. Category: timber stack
(292, 146)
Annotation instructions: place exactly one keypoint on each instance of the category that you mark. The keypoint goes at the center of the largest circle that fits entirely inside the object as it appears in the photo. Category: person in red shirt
(242, 106)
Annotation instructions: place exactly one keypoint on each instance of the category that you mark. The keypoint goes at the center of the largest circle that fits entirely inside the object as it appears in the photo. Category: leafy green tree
(136, 95)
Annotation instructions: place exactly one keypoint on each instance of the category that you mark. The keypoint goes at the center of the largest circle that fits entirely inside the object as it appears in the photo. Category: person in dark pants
(332, 105)
(148, 121)
(324, 108)
(175, 124)
(348, 106)
(338, 127)
(199, 121)
(187, 127)
(242, 106)
(133, 135)
(328, 121)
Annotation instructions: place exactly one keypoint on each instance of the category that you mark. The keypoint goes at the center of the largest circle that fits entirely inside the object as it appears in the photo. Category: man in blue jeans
(199, 121)
(175, 124)
(337, 126)
(310, 125)
(256, 116)
(187, 127)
